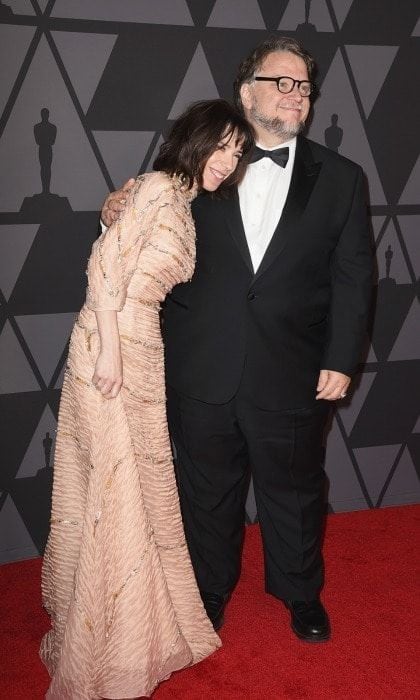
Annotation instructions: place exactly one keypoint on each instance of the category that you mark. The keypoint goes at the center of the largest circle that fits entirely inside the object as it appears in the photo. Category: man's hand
(115, 203)
(332, 385)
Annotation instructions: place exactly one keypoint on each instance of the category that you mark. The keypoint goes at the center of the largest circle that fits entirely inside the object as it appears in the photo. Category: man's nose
(295, 93)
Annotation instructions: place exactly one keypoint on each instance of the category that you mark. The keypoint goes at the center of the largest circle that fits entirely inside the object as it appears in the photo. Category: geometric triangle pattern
(46, 336)
(88, 91)
(410, 229)
(403, 482)
(414, 449)
(370, 65)
(410, 194)
(407, 344)
(11, 61)
(16, 375)
(339, 99)
(371, 357)
(377, 225)
(93, 50)
(18, 7)
(375, 464)
(123, 151)
(15, 243)
(148, 168)
(416, 30)
(350, 409)
(391, 408)
(156, 12)
(345, 489)
(200, 11)
(198, 83)
(341, 9)
(243, 14)
(60, 379)
(15, 540)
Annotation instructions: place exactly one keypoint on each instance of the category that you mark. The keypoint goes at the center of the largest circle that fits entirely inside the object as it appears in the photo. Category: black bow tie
(279, 155)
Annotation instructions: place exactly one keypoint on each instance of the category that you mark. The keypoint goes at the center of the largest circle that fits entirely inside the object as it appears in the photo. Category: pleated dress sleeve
(114, 255)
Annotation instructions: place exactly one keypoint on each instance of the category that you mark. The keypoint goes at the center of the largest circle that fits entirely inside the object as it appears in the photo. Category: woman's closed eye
(224, 147)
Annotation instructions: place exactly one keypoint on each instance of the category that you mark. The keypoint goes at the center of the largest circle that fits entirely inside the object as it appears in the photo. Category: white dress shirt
(262, 194)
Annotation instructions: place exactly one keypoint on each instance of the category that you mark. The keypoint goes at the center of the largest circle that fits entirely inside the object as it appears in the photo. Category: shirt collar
(291, 144)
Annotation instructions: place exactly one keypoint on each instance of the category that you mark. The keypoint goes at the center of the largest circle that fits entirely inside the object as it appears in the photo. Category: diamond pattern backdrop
(86, 92)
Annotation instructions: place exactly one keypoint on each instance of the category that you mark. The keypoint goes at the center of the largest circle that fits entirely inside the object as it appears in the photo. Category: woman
(117, 578)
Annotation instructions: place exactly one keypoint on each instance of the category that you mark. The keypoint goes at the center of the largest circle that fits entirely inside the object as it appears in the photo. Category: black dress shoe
(214, 604)
(309, 620)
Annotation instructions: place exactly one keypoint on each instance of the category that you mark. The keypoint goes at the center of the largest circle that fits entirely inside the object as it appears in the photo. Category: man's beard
(277, 126)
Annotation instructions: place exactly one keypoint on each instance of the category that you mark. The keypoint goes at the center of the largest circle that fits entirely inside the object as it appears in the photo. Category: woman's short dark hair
(195, 135)
(254, 61)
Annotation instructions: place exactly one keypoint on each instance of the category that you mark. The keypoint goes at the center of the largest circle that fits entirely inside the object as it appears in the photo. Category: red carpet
(371, 593)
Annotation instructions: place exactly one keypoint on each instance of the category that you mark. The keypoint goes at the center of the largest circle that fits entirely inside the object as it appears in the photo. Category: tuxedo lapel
(236, 227)
(304, 176)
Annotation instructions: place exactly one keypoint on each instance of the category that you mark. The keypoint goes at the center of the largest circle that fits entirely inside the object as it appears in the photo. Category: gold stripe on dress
(158, 281)
(179, 238)
(144, 399)
(145, 302)
(143, 343)
(179, 262)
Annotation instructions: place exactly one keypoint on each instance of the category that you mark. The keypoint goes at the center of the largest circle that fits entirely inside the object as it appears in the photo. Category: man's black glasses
(285, 84)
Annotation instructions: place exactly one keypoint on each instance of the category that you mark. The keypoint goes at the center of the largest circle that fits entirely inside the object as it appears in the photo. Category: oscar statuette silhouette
(32, 497)
(47, 445)
(5, 11)
(388, 258)
(392, 304)
(46, 205)
(333, 135)
(306, 28)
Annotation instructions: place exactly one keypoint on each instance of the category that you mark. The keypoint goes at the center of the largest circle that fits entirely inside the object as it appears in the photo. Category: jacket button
(251, 296)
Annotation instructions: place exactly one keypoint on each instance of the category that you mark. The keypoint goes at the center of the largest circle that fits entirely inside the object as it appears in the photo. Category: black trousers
(217, 446)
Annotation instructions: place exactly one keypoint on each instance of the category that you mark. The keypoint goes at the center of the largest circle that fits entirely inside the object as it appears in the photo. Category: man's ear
(246, 95)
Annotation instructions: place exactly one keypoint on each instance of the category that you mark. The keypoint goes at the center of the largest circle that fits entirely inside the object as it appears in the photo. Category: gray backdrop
(111, 75)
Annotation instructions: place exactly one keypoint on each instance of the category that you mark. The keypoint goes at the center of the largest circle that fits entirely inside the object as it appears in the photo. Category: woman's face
(222, 161)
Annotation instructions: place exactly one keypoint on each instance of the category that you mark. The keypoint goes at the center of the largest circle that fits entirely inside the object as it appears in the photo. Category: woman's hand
(108, 375)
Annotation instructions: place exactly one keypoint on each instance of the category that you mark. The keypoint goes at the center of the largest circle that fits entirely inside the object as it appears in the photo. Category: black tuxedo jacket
(303, 310)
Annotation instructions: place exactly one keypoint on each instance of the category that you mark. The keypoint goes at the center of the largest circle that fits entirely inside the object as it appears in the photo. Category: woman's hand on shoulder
(108, 375)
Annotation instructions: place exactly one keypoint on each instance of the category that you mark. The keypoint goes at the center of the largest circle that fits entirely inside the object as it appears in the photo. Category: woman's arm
(111, 264)
(108, 374)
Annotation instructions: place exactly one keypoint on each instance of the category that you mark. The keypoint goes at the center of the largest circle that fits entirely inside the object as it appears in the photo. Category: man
(261, 341)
